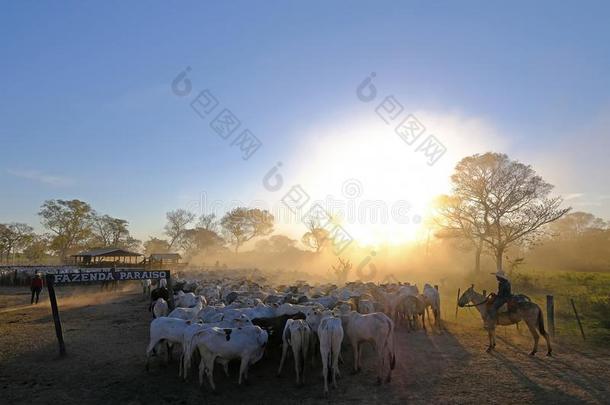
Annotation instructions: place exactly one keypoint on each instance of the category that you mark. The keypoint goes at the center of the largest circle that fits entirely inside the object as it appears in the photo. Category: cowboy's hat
(501, 274)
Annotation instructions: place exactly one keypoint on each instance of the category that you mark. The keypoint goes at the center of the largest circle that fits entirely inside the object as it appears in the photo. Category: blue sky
(87, 109)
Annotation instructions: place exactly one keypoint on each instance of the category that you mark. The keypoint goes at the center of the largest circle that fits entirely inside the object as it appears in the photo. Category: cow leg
(380, 360)
(201, 370)
(209, 368)
(243, 367)
(325, 370)
(303, 365)
(423, 320)
(149, 350)
(314, 346)
(297, 362)
(355, 348)
(168, 353)
(360, 348)
(284, 350)
(335, 364)
(181, 366)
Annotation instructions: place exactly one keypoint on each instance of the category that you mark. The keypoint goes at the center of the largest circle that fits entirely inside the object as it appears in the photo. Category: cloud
(573, 196)
(41, 177)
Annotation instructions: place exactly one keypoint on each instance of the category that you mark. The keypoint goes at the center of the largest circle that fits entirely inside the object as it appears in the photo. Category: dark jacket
(160, 292)
(36, 283)
(504, 289)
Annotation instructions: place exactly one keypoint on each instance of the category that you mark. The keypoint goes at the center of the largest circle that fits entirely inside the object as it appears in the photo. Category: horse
(525, 311)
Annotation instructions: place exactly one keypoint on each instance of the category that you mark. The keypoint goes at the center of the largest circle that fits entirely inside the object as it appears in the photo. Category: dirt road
(106, 337)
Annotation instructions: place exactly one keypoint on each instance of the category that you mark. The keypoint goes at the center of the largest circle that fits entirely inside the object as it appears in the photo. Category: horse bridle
(476, 305)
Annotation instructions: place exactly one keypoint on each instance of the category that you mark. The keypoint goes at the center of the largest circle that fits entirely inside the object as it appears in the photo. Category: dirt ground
(106, 335)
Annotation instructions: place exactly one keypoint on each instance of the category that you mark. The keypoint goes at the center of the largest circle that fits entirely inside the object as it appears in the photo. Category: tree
(36, 249)
(242, 224)
(200, 240)
(111, 232)
(316, 238)
(69, 220)
(275, 244)
(14, 237)
(456, 220)
(342, 270)
(208, 222)
(577, 224)
(176, 225)
(501, 202)
(281, 243)
(156, 245)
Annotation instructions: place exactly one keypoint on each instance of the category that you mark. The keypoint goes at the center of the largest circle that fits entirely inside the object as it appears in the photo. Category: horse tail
(541, 323)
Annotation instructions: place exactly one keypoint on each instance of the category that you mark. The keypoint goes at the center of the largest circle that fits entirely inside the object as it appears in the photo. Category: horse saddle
(511, 305)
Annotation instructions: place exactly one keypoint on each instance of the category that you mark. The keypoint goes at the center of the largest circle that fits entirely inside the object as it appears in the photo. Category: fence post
(55, 310)
(550, 314)
(582, 332)
(456, 303)
(170, 290)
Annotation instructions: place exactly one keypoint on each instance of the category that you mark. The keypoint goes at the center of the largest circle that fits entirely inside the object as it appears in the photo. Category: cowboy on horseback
(503, 296)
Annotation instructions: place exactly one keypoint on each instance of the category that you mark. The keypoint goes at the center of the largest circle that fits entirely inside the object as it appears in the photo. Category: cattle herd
(216, 321)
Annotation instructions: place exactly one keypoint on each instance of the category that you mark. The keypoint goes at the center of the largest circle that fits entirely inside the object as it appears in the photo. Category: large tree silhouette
(242, 224)
(498, 201)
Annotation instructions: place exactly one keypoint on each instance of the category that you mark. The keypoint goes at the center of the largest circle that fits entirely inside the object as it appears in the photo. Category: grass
(591, 295)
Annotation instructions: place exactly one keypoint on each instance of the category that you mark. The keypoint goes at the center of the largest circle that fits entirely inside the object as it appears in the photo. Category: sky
(91, 108)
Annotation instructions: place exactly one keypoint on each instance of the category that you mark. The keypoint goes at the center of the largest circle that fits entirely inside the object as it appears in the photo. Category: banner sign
(112, 275)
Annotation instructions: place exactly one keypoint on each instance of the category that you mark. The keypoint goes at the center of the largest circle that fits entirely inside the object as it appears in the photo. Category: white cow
(376, 328)
(146, 287)
(433, 300)
(330, 333)
(168, 330)
(188, 347)
(246, 343)
(189, 300)
(160, 308)
(188, 313)
(297, 334)
(366, 307)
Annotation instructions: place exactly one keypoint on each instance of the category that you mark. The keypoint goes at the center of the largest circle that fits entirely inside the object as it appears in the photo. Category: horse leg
(490, 336)
(536, 337)
(549, 351)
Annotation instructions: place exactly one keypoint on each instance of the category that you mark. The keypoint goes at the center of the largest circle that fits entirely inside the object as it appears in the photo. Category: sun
(374, 184)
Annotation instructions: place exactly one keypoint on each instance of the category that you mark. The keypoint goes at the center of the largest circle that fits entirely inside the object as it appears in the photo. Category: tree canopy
(499, 201)
(242, 224)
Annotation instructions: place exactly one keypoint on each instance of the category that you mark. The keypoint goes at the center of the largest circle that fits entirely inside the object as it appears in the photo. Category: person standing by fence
(36, 287)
